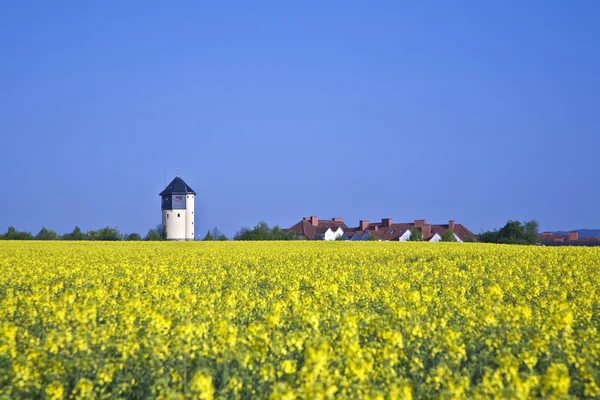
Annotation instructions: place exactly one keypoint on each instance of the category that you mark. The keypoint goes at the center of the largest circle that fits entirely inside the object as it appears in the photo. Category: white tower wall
(174, 221)
(189, 217)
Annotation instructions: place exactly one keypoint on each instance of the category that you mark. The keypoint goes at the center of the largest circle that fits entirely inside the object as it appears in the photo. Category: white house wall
(405, 236)
(435, 238)
(332, 235)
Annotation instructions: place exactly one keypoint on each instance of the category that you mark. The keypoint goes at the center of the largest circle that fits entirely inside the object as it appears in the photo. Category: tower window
(178, 215)
(167, 215)
(192, 222)
(192, 212)
(188, 197)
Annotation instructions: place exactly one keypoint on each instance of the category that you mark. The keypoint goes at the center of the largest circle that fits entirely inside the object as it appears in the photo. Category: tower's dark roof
(177, 186)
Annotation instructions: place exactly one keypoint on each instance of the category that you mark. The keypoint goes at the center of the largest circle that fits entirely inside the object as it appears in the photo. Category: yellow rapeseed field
(298, 320)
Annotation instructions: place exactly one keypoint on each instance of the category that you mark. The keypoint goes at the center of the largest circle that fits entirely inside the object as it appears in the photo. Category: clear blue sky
(475, 111)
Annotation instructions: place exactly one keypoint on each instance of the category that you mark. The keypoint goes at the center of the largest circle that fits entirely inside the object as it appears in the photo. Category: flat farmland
(287, 320)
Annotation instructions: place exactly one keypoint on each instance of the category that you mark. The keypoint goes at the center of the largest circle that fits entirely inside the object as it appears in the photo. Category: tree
(163, 232)
(531, 231)
(262, 231)
(416, 235)
(340, 238)
(448, 236)
(218, 235)
(215, 234)
(105, 234)
(153, 234)
(279, 234)
(14, 234)
(242, 234)
(514, 232)
(75, 235)
(45, 234)
(372, 238)
(133, 237)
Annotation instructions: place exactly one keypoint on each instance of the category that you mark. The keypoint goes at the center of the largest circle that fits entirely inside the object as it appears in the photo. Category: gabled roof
(395, 231)
(326, 223)
(304, 228)
(464, 234)
(177, 186)
(378, 234)
(439, 229)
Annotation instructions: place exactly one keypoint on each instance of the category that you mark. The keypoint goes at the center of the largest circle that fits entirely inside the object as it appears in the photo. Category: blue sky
(475, 111)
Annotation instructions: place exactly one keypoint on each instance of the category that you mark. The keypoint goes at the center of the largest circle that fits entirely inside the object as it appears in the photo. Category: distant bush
(45, 234)
(75, 235)
(449, 236)
(153, 235)
(215, 234)
(107, 233)
(415, 236)
(262, 231)
(13, 234)
(514, 232)
(133, 237)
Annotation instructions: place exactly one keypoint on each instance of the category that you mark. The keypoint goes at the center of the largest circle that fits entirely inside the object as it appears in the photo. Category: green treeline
(514, 232)
(262, 231)
(107, 234)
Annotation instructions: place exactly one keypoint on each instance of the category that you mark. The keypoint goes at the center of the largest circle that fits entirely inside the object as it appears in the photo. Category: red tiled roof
(396, 230)
(378, 234)
(439, 229)
(305, 228)
(463, 233)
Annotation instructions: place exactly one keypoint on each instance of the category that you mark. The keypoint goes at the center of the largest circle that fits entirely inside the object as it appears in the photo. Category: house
(570, 239)
(312, 228)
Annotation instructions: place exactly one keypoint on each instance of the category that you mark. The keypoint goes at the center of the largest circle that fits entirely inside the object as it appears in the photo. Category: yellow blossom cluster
(294, 320)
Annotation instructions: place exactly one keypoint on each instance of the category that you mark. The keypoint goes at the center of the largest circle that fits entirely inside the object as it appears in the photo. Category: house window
(178, 215)
(393, 231)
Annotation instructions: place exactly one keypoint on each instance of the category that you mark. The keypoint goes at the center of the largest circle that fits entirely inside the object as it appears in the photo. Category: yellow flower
(201, 385)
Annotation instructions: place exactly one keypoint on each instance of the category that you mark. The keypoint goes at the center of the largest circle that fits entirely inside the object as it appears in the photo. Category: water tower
(178, 210)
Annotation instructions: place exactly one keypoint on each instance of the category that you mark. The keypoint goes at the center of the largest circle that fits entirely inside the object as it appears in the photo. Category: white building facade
(331, 234)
